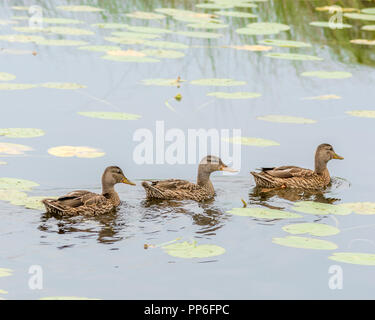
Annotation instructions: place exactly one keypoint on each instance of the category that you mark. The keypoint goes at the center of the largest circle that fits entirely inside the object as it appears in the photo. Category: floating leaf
(164, 54)
(305, 243)
(12, 195)
(135, 35)
(236, 14)
(329, 8)
(218, 82)
(127, 58)
(368, 10)
(13, 149)
(191, 250)
(72, 151)
(21, 132)
(15, 51)
(165, 44)
(369, 28)
(251, 48)
(362, 113)
(261, 28)
(207, 25)
(21, 38)
(3, 163)
(110, 115)
(69, 31)
(61, 42)
(286, 119)
(249, 141)
(63, 85)
(148, 29)
(264, 213)
(125, 40)
(202, 35)
(331, 25)
(327, 74)
(314, 229)
(365, 208)
(110, 25)
(320, 208)
(3, 291)
(292, 56)
(214, 6)
(61, 21)
(100, 48)
(16, 86)
(285, 43)
(145, 15)
(80, 8)
(234, 95)
(365, 259)
(360, 16)
(6, 22)
(6, 76)
(5, 272)
(363, 42)
(126, 53)
(162, 82)
(324, 97)
(17, 184)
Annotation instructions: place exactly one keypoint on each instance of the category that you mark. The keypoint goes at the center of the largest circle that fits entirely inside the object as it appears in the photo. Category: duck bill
(336, 156)
(127, 181)
(228, 169)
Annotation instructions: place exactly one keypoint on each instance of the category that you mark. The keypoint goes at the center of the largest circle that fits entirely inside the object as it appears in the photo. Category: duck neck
(110, 193)
(320, 166)
(203, 179)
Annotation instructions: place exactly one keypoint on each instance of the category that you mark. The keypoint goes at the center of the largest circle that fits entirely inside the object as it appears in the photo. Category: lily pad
(360, 16)
(70, 31)
(148, 29)
(314, 229)
(135, 35)
(74, 151)
(126, 53)
(4, 272)
(13, 149)
(363, 42)
(368, 10)
(99, 48)
(162, 82)
(110, 25)
(234, 95)
(6, 22)
(362, 113)
(6, 76)
(191, 250)
(11, 195)
(285, 43)
(318, 208)
(120, 58)
(165, 44)
(61, 21)
(21, 132)
(22, 38)
(63, 85)
(16, 86)
(201, 35)
(365, 208)
(323, 97)
(207, 25)
(263, 28)
(214, 6)
(80, 8)
(251, 48)
(292, 56)
(3, 163)
(34, 203)
(364, 259)
(218, 82)
(17, 184)
(286, 119)
(264, 213)
(125, 40)
(61, 42)
(145, 15)
(250, 141)
(110, 115)
(236, 14)
(331, 25)
(305, 243)
(163, 54)
(369, 28)
(327, 74)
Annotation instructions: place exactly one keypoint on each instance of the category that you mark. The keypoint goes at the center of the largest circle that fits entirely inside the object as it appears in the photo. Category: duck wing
(175, 184)
(288, 172)
(79, 198)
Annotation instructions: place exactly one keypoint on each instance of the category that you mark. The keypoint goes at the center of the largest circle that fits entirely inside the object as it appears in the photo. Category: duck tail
(152, 192)
(52, 206)
(261, 180)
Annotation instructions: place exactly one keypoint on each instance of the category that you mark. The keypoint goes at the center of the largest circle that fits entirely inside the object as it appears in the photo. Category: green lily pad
(236, 14)
(286, 119)
(314, 229)
(34, 203)
(13, 149)
(364, 259)
(61, 21)
(331, 25)
(327, 74)
(163, 54)
(365, 208)
(162, 82)
(110, 115)
(63, 85)
(285, 43)
(305, 243)
(360, 16)
(189, 250)
(323, 97)
(100, 48)
(70, 31)
(218, 82)
(12, 195)
(234, 95)
(362, 113)
(263, 28)
(61, 42)
(74, 151)
(207, 25)
(166, 44)
(245, 5)
(250, 141)
(292, 56)
(320, 208)
(145, 15)
(135, 35)
(201, 35)
(110, 25)
(148, 29)
(21, 132)
(16, 86)
(3, 291)
(80, 8)
(129, 58)
(214, 6)
(125, 40)
(16, 184)
(22, 38)
(264, 213)
(4, 272)
(6, 76)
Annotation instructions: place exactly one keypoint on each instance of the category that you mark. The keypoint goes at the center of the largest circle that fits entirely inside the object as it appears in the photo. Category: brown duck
(82, 202)
(296, 177)
(175, 189)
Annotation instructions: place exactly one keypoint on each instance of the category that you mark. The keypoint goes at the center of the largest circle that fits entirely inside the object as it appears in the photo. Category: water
(104, 258)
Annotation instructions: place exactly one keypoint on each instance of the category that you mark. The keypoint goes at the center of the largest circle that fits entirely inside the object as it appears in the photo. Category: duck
(296, 177)
(175, 189)
(86, 203)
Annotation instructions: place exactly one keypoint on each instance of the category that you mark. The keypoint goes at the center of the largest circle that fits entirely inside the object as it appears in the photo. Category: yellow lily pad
(63, 85)
(362, 113)
(250, 141)
(74, 151)
(286, 119)
(79, 8)
(6, 76)
(110, 115)
(13, 149)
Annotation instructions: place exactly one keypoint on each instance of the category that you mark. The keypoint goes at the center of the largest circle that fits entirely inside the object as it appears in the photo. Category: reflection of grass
(297, 14)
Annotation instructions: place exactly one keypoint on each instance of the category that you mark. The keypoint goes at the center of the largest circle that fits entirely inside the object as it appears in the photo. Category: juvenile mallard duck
(295, 177)
(82, 202)
(174, 189)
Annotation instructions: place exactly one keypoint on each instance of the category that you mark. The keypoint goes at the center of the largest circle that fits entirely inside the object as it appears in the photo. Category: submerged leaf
(286, 119)
(365, 259)
(320, 208)
(110, 115)
(305, 243)
(314, 229)
(192, 250)
(264, 213)
(73, 151)
(249, 141)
